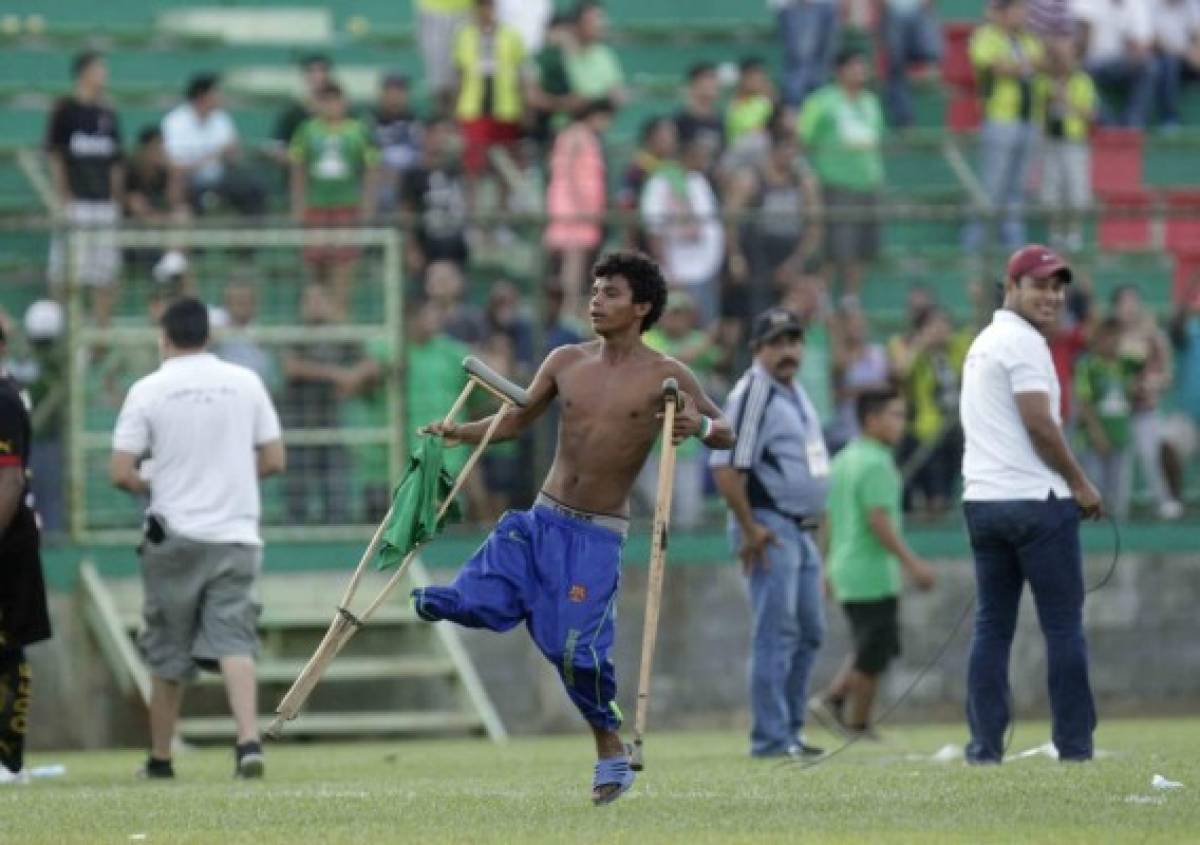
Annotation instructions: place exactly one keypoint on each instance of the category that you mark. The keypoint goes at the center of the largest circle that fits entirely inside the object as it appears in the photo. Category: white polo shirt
(188, 139)
(1008, 357)
(200, 419)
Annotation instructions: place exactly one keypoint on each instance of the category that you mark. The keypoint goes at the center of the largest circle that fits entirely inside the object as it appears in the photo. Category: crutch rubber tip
(636, 761)
(275, 729)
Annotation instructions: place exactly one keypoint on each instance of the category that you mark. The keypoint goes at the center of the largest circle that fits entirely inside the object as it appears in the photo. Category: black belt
(804, 523)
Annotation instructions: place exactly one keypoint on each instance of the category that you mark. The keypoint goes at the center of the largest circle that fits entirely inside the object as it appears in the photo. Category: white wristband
(706, 427)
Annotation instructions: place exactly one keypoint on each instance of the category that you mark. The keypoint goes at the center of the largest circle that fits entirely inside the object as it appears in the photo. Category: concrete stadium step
(347, 668)
(351, 723)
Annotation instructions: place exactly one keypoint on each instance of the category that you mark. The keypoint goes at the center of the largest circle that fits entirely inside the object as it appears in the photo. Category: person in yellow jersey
(1065, 103)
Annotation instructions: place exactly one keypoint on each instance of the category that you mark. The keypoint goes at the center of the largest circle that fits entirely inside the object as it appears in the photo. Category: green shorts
(201, 604)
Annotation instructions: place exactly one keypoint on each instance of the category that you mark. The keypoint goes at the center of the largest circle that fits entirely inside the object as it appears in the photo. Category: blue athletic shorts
(559, 576)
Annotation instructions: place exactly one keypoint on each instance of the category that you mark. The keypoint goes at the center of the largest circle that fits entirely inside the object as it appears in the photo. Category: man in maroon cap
(1024, 494)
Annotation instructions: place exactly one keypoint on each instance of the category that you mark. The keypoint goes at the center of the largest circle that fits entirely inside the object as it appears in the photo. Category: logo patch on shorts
(577, 594)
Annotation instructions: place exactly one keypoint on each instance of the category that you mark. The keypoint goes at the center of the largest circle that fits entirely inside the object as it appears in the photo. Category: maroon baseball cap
(1037, 261)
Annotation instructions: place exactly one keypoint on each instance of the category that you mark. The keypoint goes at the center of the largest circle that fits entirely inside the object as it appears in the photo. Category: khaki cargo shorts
(201, 604)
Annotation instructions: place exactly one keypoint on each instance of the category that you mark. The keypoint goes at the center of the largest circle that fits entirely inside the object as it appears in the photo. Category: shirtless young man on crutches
(556, 567)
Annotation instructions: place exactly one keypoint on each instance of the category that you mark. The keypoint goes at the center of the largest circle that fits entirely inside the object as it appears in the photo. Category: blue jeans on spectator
(809, 30)
(908, 37)
(1170, 74)
(1014, 542)
(1135, 79)
(1005, 154)
(788, 627)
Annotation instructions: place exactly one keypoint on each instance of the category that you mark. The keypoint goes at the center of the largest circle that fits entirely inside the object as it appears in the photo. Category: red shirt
(1065, 348)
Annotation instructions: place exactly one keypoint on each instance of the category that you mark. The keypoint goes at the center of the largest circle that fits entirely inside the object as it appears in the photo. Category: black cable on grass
(941, 652)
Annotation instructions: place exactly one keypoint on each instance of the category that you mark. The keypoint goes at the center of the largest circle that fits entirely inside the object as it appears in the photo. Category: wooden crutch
(345, 623)
(658, 562)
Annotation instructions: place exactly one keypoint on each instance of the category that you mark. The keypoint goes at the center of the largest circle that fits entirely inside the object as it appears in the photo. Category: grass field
(698, 787)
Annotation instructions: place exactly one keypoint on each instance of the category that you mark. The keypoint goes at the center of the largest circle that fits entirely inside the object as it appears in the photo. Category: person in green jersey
(866, 554)
(1103, 396)
(332, 184)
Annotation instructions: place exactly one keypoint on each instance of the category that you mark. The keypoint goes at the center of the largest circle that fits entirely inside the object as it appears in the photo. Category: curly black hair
(644, 276)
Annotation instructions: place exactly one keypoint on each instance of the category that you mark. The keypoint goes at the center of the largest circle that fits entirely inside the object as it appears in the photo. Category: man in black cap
(24, 618)
(775, 481)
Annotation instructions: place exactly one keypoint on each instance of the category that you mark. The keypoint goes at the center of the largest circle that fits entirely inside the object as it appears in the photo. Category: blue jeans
(788, 627)
(1005, 154)
(809, 31)
(910, 37)
(1136, 79)
(1014, 542)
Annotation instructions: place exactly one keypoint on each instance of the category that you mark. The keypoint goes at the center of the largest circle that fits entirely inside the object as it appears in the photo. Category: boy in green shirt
(866, 553)
(333, 172)
(1103, 385)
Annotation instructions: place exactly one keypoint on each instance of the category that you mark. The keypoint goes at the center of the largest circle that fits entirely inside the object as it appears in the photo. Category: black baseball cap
(772, 323)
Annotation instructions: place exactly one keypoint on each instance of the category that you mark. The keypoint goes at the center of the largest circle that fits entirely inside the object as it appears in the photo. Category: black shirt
(24, 618)
(88, 138)
(710, 130)
(436, 195)
(289, 121)
(398, 137)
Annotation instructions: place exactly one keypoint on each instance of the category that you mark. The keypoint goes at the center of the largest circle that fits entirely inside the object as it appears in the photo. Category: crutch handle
(670, 389)
(498, 384)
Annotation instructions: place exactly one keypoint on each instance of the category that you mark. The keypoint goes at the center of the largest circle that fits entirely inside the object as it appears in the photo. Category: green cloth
(747, 115)
(335, 157)
(862, 477)
(1105, 386)
(657, 340)
(816, 368)
(438, 378)
(1006, 99)
(594, 71)
(844, 137)
(413, 519)
(551, 65)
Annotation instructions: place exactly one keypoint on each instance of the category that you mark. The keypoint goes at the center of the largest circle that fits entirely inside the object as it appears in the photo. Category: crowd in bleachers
(758, 195)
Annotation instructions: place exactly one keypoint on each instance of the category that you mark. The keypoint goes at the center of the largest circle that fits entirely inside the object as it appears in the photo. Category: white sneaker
(7, 777)
(1170, 509)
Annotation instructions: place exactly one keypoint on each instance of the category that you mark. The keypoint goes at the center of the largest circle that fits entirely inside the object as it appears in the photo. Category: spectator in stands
(502, 463)
(700, 119)
(1144, 349)
(1050, 20)
(1176, 25)
(558, 327)
(445, 290)
(931, 376)
(488, 59)
(770, 249)
(912, 38)
(83, 146)
(235, 344)
(318, 376)
(678, 335)
(333, 185)
(147, 182)
(1070, 338)
(396, 132)
(506, 314)
(1065, 105)
(592, 65)
(753, 101)
(577, 198)
(680, 212)
(1103, 394)
(859, 365)
(202, 148)
(317, 73)
(43, 375)
(808, 299)
(842, 128)
(1118, 38)
(438, 23)
(810, 32)
(1005, 57)
(549, 86)
(1182, 429)
(658, 144)
(433, 202)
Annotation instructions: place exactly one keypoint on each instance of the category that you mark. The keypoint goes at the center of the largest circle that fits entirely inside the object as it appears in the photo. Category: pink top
(576, 188)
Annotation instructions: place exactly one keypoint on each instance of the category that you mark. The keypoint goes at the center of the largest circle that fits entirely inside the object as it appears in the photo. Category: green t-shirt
(335, 157)
(370, 410)
(594, 71)
(433, 380)
(747, 115)
(1105, 387)
(862, 477)
(844, 137)
(659, 342)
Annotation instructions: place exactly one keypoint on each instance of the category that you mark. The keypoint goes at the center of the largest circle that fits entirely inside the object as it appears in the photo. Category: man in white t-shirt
(1024, 494)
(204, 432)
(201, 143)
(1117, 39)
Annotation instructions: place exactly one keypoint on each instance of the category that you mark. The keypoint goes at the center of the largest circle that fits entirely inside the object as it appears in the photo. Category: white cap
(172, 265)
(44, 320)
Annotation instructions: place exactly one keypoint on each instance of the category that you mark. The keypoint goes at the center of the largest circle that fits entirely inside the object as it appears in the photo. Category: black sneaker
(249, 759)
(802, 749)
(154, 769)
